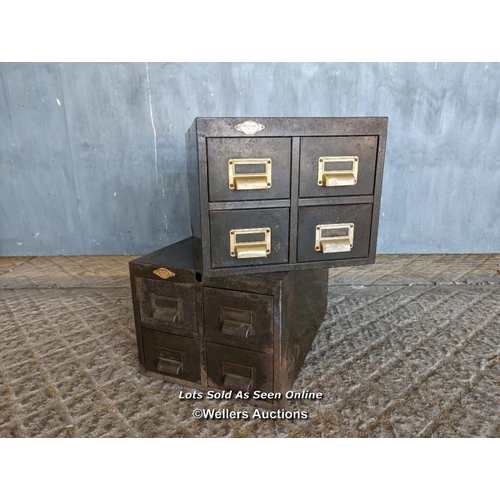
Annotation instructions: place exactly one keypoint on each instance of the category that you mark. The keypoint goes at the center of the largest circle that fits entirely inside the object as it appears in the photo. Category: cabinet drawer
(171, 355)
(238, 318)
(337, 166)
(166, 304)
(249, 237)
(334, 232)
(238, 369)
(249, 169)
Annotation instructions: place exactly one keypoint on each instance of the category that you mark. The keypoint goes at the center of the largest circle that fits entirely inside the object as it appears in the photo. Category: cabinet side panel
(193, 181)
(137, 318)
(378, 190)
(304, 310)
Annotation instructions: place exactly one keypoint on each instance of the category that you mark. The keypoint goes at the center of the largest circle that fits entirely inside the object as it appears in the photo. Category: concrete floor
(410, 347)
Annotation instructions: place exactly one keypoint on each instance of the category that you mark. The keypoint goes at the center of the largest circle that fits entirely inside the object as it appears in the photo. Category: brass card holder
(334, 238)
(331, 177)
(252, 243)
(249, 173)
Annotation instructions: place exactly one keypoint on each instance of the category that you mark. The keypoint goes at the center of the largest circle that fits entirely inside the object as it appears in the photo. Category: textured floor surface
(410, 347)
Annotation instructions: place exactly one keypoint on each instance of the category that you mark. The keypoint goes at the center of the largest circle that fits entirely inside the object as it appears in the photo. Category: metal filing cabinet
(281, 194)
(242, 332)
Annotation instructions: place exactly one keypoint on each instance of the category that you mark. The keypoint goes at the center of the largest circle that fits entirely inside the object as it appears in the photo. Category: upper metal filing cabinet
(277, 194)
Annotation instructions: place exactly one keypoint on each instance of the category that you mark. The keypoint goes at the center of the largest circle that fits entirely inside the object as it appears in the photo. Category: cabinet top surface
(179, 255)
(289, 118)
(288, 126)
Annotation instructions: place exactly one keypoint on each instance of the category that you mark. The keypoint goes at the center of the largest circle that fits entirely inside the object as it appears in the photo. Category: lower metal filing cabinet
(248, 332)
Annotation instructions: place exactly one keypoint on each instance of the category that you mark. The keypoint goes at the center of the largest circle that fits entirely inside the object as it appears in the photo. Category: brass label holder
(244, 181)
(242, 246)
(333, 178)
(334, 238)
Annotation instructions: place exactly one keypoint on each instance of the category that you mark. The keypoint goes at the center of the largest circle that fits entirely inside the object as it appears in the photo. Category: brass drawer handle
(341, 177)
(166, 315)
(236, 323)
(170, 361)
(169, 366)
(236, 329)
(237, 377)
(243, 246)
(237, 382)
(166, 309)
(250, 173)
(334, 238)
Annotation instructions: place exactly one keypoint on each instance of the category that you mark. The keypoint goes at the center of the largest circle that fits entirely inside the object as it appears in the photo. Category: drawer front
(171, 355)
(249, 169)
(337, 166)
(238, 318)
(334, 232)
(238, 369)
(166, 304)
(254, 237)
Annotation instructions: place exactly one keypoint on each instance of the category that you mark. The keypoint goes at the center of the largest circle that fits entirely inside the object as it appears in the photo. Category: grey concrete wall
(92, 156)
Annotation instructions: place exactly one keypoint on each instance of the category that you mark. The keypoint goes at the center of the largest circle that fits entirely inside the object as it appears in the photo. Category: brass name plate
(163, 273)
(249, 127)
